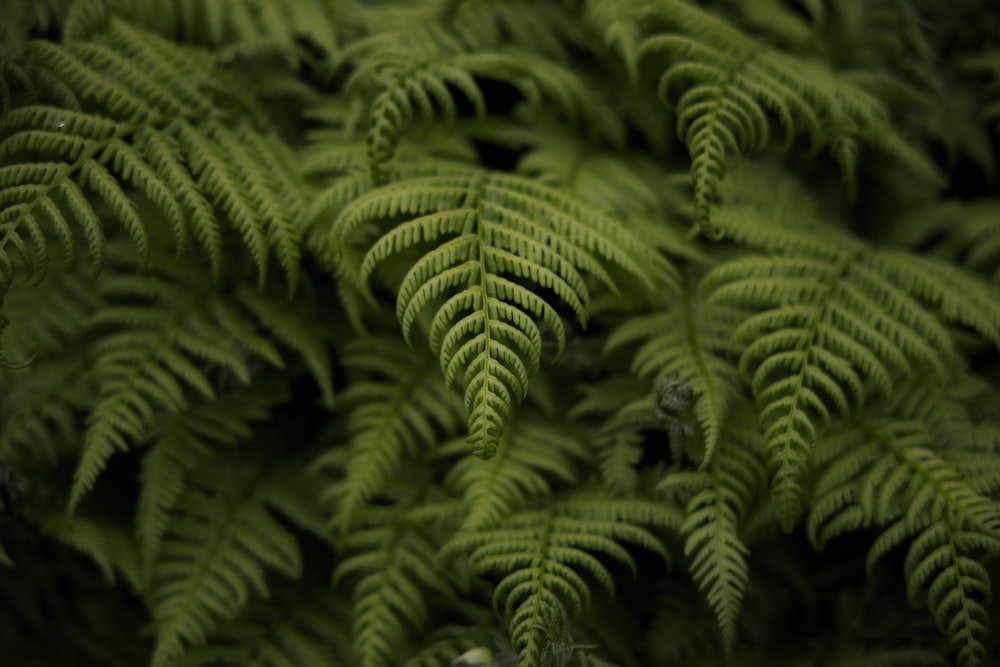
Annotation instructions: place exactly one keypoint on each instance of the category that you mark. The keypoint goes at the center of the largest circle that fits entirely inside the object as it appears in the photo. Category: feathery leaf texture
(731, 85)
(163, 333)
(501, 231)
(287, 630)
(532, 451)
(392, 557)
(827, 318)
(688, 338)
(149, 120)
(897, 473)
(207, 207)
(181, 444)
(220, 541)
(718, 497)
(543, 554)
(399, 409)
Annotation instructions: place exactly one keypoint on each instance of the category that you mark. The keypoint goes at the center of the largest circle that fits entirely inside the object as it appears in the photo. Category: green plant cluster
(381, 333)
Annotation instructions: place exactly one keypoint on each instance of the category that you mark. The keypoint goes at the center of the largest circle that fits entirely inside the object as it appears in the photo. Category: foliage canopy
(474, 332)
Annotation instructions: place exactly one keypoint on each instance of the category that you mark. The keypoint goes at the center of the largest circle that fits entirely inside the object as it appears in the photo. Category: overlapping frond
(828, 322)
(222, 538)
(182, 443)
(407, 82)
(727, 88)
(543, 556)
(162, 335)
(691, 339)
(149, 120)
(494, 232)
(897, 473)
(398, 410)
(717, 498)
(533, 451)
(392, 563)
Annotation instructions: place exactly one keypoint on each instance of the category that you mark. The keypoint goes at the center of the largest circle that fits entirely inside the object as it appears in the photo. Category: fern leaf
(542, 556)
(398, 408)
(691, 340)
(183, 443)
(222, 537)
(718, 497)
(141, 369)
(728, 93)
(831, 318)
(531, 453)
(392, 558)
(290, 629)
(956, 586)
(499, 226)
(618, 22)
(110, 548)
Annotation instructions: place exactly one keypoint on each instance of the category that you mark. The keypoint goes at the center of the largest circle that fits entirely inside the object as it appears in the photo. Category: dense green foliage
(431, 332)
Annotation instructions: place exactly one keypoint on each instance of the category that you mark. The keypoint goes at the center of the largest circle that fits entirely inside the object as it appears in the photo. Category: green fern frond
(689, 339)
(295, 325)
(398, 408)
(729, 94)
(162, 134)
(181, 444)
(717, 499)
(826, 320)
(533, 450)
(501, 227)
(543, 555)
(166, 330)
(619, 24)
(222, 537)
(393, 559)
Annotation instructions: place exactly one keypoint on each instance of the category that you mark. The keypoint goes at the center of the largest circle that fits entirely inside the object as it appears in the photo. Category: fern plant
(602, 333)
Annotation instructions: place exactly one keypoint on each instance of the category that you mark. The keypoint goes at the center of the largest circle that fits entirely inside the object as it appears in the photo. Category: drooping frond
(493, 233)
(164, 330)
(406, 81)
(543, 556)
(729, 86)
(688, 338)
(222, 538)
(897, 474)
(184, 442)
(717, 498)
(829, 318)
(392, 564)
(533, 451)
(148, 120)
(398, 409)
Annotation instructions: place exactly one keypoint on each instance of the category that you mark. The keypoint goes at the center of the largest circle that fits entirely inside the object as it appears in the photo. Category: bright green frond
(543, 555)
(494, 232)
